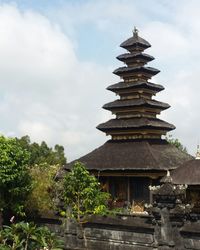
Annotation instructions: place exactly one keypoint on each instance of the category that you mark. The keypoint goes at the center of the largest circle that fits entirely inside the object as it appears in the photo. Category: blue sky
(57, 58)
(87, 33)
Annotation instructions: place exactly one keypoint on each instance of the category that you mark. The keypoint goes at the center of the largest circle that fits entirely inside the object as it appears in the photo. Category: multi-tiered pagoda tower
(135, 111)
(136, 156)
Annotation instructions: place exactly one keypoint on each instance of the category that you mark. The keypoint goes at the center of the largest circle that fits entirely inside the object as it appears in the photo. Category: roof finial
(135, 32)
(167, 178)
(198, 153)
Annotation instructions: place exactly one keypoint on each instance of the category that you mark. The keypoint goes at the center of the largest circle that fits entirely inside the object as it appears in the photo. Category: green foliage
(176, 143)
(15, 181)
(44, 161)
(41, 153)
(22, 164)
(28, 236)
(41, 199)
(82, 193)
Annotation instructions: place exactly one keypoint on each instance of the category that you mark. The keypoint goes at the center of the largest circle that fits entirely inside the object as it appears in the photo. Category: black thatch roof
(137, 102)
(188, 173)
(135, 123)
(135, 41)
(127, 56)
(134, 155)
(135, 85)
(137, 69)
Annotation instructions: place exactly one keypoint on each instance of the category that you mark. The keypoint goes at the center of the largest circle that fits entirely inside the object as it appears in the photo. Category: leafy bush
(15, 181)
(82, 193)
(22, 164)
(28, 236)
(41, 199)
(44, 162)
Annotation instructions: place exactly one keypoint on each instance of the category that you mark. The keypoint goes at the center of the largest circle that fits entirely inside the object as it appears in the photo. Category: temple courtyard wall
(168, 223)
(129, 232)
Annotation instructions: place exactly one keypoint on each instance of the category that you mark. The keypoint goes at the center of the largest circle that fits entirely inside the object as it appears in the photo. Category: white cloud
(48, 93)
(168, 42)
(36, 130)
(45, 91)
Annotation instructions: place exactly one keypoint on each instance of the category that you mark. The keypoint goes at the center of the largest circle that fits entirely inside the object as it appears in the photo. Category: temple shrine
(188, 174)
(136, 155)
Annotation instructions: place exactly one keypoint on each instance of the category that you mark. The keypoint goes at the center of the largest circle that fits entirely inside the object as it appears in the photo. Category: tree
(82, 193)
(41, 199)
(15, 181)
(42, 153)
(176, 143)
(44, 161)
(59, 154)
(22, 164)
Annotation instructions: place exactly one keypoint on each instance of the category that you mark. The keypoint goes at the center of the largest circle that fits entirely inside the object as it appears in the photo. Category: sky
(57, 58)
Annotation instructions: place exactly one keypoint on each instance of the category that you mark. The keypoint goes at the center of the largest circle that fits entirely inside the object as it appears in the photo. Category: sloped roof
(135, 123)
(134, 41)
(137, 69)
(135, 85)
(128, 56)
(188, 173)
(134, 155)
(137, 102)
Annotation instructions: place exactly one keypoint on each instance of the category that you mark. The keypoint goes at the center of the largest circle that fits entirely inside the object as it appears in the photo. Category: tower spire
(136, 111)
(135, 32)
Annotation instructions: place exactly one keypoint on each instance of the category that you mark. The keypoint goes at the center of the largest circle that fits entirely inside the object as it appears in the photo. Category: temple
(188, 173)
(136, 155)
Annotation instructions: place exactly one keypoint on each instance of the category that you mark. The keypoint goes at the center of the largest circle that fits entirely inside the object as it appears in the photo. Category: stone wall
(128, 233)
(169, 224)
(121, 232)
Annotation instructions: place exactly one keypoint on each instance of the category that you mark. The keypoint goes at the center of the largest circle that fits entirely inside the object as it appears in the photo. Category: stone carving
(169, 213)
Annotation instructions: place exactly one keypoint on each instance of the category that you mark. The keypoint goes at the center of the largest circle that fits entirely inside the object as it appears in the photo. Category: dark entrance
(139, 189)
(127, 190)
(118, 188)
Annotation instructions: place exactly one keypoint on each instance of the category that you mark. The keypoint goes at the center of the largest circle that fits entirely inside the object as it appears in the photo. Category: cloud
(45, 91)
(55, 65)
(36, 130)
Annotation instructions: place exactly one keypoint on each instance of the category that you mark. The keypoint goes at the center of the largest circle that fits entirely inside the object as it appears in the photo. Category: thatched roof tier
(121, 71)
(135, 123)
(188, 173)
(135, 85)
(137, 102)
(134, 57)
(135, 155)
(135, 42)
